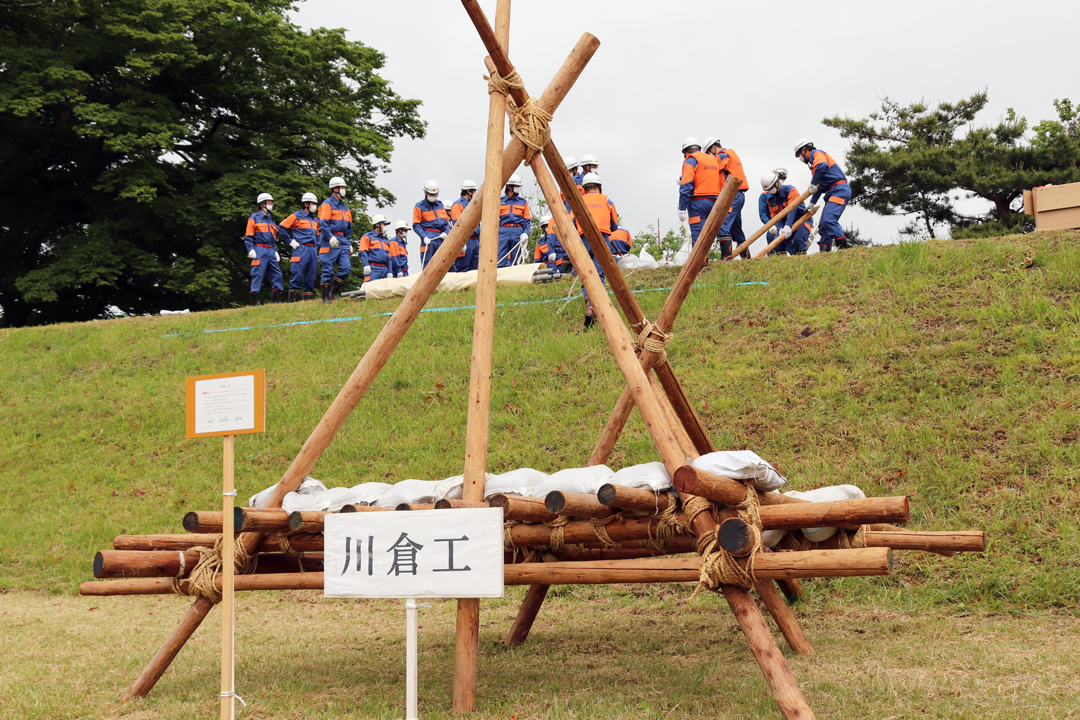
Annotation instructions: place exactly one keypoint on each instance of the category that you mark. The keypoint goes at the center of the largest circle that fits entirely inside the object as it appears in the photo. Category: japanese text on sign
(423, 554)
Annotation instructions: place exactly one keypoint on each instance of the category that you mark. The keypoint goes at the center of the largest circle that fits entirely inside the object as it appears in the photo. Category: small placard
(226, 404)
(423, 554)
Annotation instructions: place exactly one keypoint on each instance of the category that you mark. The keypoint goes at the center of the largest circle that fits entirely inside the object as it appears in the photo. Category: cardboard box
(1055, 207)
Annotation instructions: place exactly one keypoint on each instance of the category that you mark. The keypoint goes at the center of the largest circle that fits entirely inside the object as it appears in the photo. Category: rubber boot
(275, 296)
(294, 296)
(590, 314)
(337, 287)
(327, 298)
(255, 299)
(725, 248)
(309, 296)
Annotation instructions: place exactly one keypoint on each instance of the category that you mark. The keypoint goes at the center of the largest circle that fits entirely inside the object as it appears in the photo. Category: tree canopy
(137, 134)
(921, 161)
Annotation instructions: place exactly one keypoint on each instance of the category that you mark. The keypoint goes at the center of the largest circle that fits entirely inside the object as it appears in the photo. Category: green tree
(920, 161)
(138, 132)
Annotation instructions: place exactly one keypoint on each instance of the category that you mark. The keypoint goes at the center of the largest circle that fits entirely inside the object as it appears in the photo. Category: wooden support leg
(785, 619)
(466, 644)
(530, 607)
(157, 667)
(791, 588)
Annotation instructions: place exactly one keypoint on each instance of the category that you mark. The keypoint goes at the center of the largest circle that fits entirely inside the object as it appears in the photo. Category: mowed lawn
(946, 371)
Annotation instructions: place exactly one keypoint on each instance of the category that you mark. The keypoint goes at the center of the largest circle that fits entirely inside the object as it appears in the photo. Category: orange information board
(226, 404)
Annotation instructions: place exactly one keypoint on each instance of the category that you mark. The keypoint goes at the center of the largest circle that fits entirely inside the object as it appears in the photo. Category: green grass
(943, 370)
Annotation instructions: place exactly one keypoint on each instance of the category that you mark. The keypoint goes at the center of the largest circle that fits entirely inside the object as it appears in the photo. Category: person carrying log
(763, 205)
(302, 230)
(699, 186)
(469, 257)
(335, 241)
(399, 250)
(261, 241)
(778, 196)
(431, 222)
(607, 221)
(827, 178)
(515, 223)
(375, 250)
(730, 165)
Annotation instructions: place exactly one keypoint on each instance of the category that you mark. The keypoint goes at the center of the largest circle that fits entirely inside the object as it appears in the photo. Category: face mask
(431, 198)
(269, 206)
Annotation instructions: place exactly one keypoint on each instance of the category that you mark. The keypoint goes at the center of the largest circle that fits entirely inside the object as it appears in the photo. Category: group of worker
(709, 165)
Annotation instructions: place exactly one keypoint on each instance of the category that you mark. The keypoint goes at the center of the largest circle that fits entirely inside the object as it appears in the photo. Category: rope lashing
(201, 581)
(529, 123)
(653, 339)
(286, 547)
(667, 527)
(849, 541)
(718, 566)
(600, 528)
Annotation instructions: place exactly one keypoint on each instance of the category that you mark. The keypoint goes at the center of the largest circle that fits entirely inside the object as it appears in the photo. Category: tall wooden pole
(376, 356)
(228, 552)
(467, 637)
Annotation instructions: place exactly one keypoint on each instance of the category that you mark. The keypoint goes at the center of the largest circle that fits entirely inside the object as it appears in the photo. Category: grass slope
(942, 370)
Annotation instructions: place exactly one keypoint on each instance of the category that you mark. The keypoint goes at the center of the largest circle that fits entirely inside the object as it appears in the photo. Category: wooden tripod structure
(651, 384)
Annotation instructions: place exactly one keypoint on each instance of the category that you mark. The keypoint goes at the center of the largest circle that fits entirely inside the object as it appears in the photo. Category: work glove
(551, 257)
(442, 236)
(277, 256)
(786, 232)
(252, 254)
(367, 270)
(683, 216)
(333, 242)
(524, 237)
(813, 189)
(294, 244)
(397, 275)
(773, 230)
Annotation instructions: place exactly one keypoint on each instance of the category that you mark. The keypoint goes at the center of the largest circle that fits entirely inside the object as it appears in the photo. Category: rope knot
(653, 339)
(529, 123)
(201, 580)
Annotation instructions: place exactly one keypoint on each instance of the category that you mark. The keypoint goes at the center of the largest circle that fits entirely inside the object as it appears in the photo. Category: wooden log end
(348, 509)
(555, 502)
(403, 507)
(735, 537)
(99, 564)
(888, 561)
(499, 501)
(607, 494)
(685, 479)
(191, 521)
(238, 519)
(443, 504)
(296, 520)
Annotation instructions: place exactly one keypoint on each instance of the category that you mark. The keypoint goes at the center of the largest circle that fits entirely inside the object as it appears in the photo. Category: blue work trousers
(302, 268)
(836, 201)
(265, 264)
(336, 256)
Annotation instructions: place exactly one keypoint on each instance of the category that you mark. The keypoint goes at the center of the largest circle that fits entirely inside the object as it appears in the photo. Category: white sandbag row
(823, 494)
(742, 465)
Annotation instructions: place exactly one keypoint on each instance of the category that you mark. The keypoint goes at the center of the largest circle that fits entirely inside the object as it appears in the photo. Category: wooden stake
(780, 238)
(534, 598)
(228, 554)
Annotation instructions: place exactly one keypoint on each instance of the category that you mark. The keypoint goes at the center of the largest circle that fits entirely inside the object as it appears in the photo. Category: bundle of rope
(718, 566)
(201, 581)
(529, 123)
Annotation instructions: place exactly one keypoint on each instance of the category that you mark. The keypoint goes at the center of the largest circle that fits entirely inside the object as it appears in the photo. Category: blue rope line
(424, 310)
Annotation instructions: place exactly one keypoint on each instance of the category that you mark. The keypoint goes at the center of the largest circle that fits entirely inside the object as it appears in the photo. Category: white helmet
(308, 197)
(689, 143)
(263, 197)
(431, 187)
(709, 142)
(803, 142)
(468, 185)
(769, 180)
(336, 182)
(590, 160)
(401, 225)
(590, 179)
(571, 163)
(514, 181)
(780, 172)
(379, 219)
(544, 221)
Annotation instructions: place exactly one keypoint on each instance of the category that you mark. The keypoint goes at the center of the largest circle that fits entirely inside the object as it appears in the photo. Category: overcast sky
(757, 75)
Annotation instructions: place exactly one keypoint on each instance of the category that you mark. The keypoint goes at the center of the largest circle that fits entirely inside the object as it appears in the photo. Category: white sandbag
(516, 482)
(580, 480)
(452, 488)
(826, 494)
(408, 491)
(399, 287)
(333, 499)
(682, 256)
(742, 465)
(647, 476)
(309, 486)
(637, 262)
(769, 538)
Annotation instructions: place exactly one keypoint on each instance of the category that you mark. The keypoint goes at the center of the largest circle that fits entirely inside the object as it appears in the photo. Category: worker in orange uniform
(431, 222)
(698, 187)
(607, 221)
(549, 249)
(261, 241)
(730, 165)
(335, 241)
(399, 250)
(515, 222)
(828, 178)
(469, 257)
(620, 241)
(302, 229)
(375, 250)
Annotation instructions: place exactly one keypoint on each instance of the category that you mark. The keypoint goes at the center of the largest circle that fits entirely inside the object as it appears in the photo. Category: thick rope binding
(718, 566)
(529, 123)
(654, 340)
(201, 581)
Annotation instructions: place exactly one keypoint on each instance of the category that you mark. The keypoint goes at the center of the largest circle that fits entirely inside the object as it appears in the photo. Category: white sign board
(418, 554)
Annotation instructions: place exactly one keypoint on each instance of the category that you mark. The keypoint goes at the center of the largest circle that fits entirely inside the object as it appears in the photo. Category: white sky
(659, 76)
